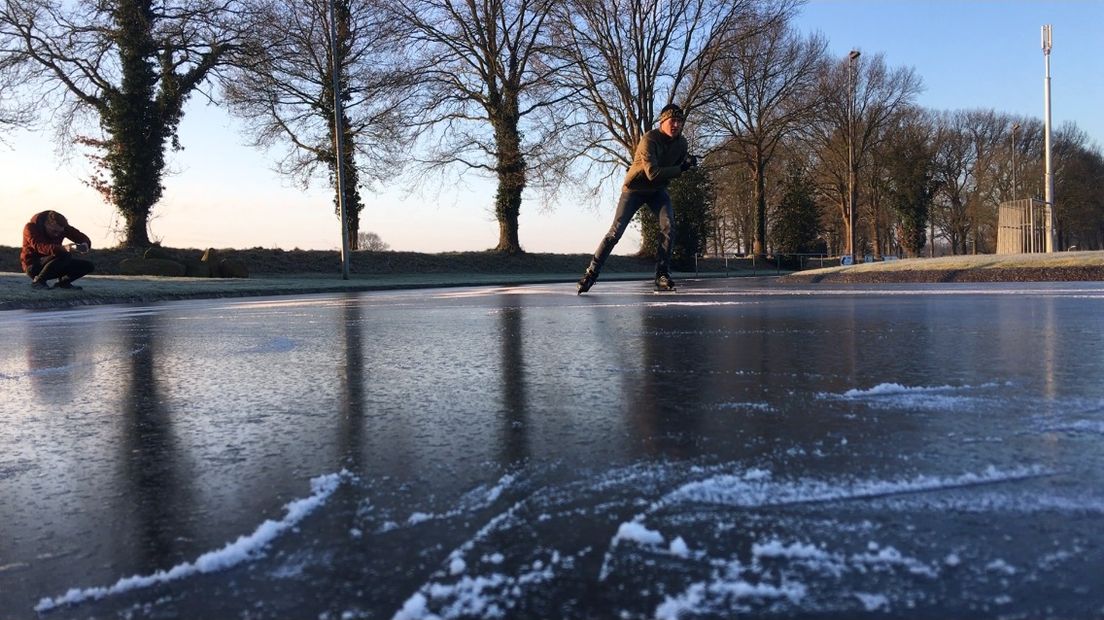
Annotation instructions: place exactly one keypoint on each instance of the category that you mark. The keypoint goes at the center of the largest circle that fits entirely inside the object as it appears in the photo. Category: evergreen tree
(796, 223)
(692, 199)
(911, 188)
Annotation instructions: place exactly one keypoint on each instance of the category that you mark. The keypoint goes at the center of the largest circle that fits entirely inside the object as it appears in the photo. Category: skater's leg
(627, 207)
(660, 204)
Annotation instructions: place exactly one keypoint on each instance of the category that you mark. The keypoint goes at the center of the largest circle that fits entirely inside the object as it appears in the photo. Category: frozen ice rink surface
(741, 448)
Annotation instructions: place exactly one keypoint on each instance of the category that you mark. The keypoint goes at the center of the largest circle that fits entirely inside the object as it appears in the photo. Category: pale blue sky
(970, 54)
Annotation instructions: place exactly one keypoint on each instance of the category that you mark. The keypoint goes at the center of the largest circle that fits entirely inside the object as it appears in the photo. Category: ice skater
(661, 155)
(45, 255)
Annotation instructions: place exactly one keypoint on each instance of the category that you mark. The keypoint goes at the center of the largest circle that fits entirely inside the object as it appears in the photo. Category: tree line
(547, 97)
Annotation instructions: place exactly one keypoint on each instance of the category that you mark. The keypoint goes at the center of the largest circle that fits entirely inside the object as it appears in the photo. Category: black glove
(691, 162)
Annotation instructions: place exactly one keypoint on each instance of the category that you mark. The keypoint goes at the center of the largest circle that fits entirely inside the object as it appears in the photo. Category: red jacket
(38, 244)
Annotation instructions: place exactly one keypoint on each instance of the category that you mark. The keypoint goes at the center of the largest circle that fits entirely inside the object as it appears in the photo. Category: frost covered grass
(976, 261)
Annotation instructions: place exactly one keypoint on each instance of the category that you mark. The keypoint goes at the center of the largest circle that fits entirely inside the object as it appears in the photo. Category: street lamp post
(1015, 190)
(1049, 180)
(339, 141)
(851, 58)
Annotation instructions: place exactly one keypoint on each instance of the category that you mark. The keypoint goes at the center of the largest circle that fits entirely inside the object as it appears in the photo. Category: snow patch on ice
(678, 547)
(942, 397)
(1076, 426)
(723, 589)
(872, 602)
(636, 532)
(244, 549)
(480, 596)
(1000, 566)
(777, 549)
(476, 499)
(745, 491)
(747, 406)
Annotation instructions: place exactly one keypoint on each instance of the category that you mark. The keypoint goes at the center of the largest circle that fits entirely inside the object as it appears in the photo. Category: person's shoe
(40, 285)
(663, 282)
(587, 281)
(66, 284)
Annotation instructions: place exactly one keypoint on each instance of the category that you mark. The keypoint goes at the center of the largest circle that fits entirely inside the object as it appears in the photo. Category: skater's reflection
(514, 440)
(665, 409)
(155, 487)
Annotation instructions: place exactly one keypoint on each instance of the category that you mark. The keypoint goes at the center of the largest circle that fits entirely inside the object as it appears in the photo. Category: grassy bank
(1057, 267)
(262, 261)
(292, 272)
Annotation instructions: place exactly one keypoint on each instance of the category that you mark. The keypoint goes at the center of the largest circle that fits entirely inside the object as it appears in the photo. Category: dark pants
(660, 204)
(59, 267)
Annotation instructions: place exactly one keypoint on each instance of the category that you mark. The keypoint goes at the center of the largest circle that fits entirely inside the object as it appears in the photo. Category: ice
(244, 549)
(827, 452)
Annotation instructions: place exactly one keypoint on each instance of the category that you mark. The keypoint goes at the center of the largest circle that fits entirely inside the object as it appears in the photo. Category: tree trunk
(846, 241)
(758, 170)
(136, 124)
(136, 230)
(510, 167)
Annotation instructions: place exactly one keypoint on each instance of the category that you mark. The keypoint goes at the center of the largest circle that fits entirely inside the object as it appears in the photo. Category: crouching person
(46, 256)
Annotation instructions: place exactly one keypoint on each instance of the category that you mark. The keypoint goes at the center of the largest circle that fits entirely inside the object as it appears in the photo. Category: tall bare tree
(128, 65)
(765, 89)
(629, 59)
(15, 111)
(972, 165)
(483, 84)
(880, 93)
(282, 84)
(1078, 183)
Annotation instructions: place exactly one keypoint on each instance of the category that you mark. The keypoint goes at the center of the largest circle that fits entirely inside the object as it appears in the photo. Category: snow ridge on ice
(757, 491)
(243, 549)
(939, 397)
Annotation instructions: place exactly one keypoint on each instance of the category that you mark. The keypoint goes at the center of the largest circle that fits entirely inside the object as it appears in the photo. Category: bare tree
(15, 111)
(282, 85)
(129, 65)
(371, 242)
(880, 94)
(972, 165)
(1079, 199)
(629, 59)
(765, 89)
(483, 86)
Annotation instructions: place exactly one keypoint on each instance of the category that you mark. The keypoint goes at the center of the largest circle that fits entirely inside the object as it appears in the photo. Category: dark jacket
(657, 160)
(38, 245)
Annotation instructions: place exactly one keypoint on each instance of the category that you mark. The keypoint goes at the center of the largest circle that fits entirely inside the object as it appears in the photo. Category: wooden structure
(1021, 227)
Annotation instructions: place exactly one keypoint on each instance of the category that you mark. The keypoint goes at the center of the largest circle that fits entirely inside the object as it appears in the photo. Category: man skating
(660, 157)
